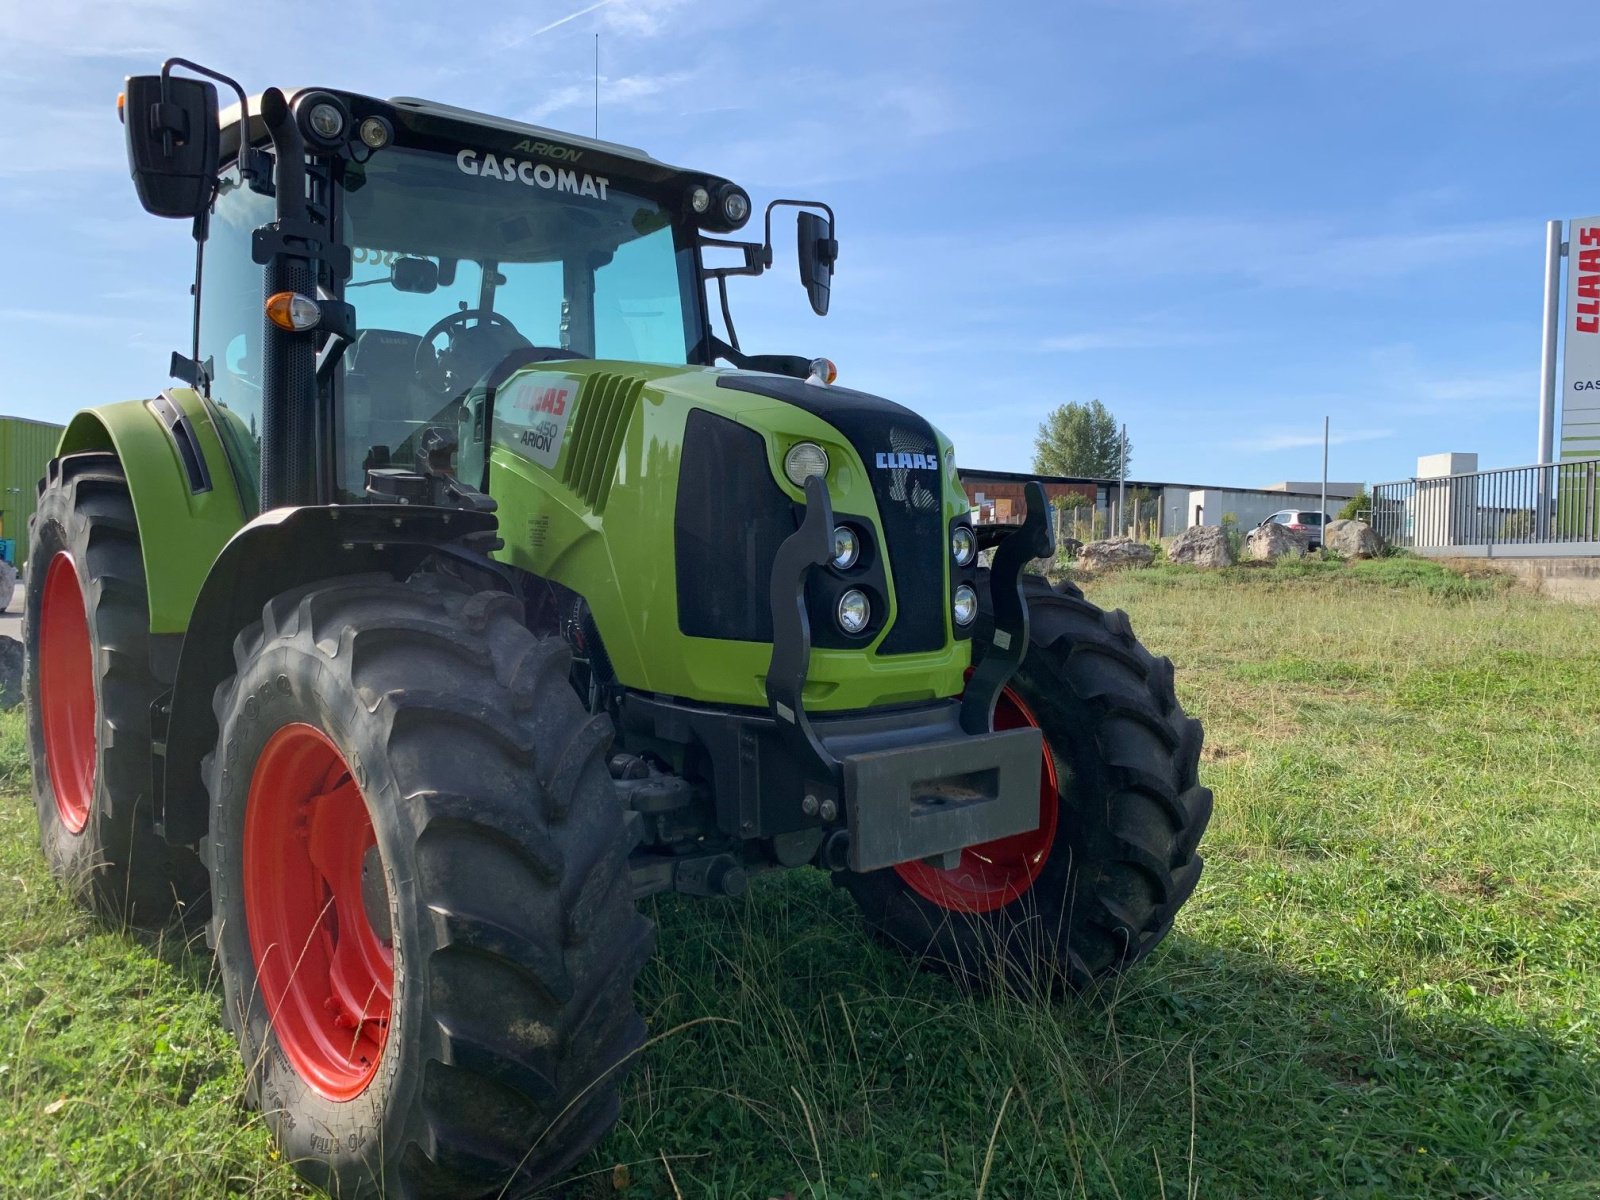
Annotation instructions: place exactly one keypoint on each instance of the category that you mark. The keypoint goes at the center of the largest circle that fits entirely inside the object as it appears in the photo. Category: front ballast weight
(958, 782)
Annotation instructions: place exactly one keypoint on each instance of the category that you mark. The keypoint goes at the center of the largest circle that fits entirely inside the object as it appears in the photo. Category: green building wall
(25, 449)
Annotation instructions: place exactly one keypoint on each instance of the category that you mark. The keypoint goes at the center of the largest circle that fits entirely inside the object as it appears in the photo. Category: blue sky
(1223, 218)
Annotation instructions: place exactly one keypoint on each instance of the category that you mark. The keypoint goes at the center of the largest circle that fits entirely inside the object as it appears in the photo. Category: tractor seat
(381, 366)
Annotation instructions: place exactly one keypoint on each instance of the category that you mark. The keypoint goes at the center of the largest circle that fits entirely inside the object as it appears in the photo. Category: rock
(10, 672)
(1113, 553)
(1353, 539)
(1201, 546)
(1272, 540)
(8, 584)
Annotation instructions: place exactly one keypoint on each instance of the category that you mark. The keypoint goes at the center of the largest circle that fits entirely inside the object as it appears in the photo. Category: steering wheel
(490, 325)
(495, 339)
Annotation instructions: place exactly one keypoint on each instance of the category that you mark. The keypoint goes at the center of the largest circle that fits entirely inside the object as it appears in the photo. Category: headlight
(963, 545)
(846, 547)
(375, 133)
(804, 460)
(735, 207)
(854, 611)
(700, 200)
(966, 604)
(326, 121)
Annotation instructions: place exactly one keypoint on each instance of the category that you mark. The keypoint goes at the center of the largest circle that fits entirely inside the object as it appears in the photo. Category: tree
(1355, 506)
(1079, 439)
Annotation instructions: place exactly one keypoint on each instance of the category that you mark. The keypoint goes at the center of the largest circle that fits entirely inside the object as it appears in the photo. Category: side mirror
(819, 250)
(173, 142)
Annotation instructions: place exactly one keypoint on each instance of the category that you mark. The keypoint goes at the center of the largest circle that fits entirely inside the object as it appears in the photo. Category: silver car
(1303, 521)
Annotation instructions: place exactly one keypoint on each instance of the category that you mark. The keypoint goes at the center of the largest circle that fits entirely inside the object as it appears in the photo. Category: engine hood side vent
(606, 406)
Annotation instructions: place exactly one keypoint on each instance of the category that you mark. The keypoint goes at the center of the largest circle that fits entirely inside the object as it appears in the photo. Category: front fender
(186, 512)
(279, 551)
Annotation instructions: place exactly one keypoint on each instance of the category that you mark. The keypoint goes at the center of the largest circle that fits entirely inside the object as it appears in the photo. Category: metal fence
(1556, 504)
(1138, 517)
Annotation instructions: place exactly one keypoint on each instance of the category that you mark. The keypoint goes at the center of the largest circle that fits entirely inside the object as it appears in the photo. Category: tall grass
(1385, 985)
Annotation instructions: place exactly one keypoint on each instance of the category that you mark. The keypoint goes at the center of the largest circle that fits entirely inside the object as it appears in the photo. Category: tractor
(468, 588)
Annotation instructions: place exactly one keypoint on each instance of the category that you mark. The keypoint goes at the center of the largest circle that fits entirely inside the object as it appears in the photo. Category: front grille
(605, 408)
(730, 519)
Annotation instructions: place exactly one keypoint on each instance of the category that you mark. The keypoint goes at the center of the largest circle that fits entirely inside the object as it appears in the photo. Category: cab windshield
(474, 264)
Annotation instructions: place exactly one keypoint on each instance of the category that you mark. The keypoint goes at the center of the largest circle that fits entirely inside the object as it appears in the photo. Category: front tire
(1097, 886)
(423, 921)
(88, 687)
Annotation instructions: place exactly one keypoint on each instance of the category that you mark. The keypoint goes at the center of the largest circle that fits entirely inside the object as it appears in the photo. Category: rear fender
(281, 550)
(185, 499)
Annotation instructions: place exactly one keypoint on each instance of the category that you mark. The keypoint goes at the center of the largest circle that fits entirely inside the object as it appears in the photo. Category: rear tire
(1129, 813)
(497, 1037)
(88, 688)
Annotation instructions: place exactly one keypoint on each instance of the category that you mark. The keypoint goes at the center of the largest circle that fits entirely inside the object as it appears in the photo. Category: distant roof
(1024, 476)
(1313, 486)
(1335, 492)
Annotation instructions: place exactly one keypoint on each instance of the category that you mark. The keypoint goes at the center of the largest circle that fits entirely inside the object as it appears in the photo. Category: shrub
(1357, 508)
(1234, 535)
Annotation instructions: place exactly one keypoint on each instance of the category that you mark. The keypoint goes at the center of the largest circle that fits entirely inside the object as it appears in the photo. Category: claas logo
(1588, 281)
(552, 400)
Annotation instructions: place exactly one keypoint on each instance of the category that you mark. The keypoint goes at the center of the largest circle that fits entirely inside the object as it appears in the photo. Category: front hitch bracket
(806, 549)
(1033, 539)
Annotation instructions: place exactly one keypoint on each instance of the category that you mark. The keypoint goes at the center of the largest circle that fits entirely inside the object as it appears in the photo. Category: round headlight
(700, 200)
(736, 207)
(846, 548)
(326, 121)
(966, 604)
(963, 545)
(854, 611)
(374, 132)
(804, 460)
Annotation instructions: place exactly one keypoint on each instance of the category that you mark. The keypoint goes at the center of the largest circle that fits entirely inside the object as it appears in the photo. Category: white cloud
(641, 18)
(1267, 252)
(1123, 339)
(1292, 440)
(627, 92)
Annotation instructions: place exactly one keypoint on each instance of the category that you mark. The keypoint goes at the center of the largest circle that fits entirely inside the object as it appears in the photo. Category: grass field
(1387, 984)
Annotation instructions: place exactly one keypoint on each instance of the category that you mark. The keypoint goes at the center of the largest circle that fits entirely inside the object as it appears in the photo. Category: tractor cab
(467, 248)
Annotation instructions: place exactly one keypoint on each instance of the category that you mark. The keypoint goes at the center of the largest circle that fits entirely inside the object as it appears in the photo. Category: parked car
(1303, 520)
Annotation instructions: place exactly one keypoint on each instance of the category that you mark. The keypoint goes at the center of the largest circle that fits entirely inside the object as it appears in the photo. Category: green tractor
(459, 599)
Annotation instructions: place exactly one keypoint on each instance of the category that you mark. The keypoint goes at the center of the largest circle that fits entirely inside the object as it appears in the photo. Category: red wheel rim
(993, 874)
(66, 691)
(325, 973)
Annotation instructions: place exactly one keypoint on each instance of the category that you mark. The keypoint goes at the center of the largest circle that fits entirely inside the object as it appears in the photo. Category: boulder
(1113, 553)
(8, 584)
(1201, 546)
(1353, 539)
(10, 672)
(1272, 540)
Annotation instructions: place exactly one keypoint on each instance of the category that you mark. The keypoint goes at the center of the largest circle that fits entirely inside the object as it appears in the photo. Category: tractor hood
(673, 479)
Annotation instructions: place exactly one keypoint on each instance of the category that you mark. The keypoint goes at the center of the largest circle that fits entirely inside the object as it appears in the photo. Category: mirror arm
(757, 258)
(832, 227)
(248, 166)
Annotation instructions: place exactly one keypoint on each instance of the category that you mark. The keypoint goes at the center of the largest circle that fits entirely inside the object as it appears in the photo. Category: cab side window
(231, 323)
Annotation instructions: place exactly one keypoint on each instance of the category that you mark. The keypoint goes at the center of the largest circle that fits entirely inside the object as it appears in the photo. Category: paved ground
(11, 619)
